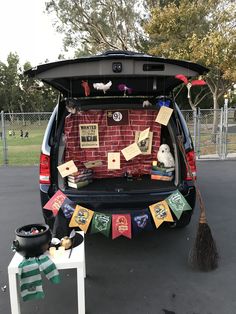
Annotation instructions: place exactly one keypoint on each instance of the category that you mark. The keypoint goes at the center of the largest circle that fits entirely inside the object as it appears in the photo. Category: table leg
(14, 296)
(84, 268)
(80, 291)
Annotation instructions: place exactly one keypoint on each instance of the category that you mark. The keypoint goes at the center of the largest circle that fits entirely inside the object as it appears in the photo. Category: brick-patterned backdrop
(111, 139)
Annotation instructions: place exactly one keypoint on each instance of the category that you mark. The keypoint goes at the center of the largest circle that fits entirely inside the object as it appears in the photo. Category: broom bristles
(204, 255)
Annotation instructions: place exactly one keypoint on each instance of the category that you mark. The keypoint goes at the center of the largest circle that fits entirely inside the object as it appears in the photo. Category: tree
(19, 93)
(92, 26)
(200, 31)
(36, 95)
(10, 84)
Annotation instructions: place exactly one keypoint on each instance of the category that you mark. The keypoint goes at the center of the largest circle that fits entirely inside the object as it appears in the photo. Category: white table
(76, 260)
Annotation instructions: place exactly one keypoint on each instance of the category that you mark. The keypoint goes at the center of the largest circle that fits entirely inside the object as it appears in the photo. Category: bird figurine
(188, 83)
(86, 88)
(125, 89)
(146, 103)
(101, 86)
(164, 155)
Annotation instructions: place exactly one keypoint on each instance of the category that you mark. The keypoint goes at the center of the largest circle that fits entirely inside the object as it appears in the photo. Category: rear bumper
(119, 203)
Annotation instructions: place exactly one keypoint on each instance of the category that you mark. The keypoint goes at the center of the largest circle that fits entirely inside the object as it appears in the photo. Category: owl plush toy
(164, 155)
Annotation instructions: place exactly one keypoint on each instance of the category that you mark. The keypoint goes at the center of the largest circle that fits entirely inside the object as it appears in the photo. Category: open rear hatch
(146, 75)
(134, 83)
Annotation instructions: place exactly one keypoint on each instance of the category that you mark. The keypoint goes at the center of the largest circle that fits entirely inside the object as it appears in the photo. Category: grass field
(24, 151)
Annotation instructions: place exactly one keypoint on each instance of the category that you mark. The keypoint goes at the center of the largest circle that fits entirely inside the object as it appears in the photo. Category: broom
(203, 255)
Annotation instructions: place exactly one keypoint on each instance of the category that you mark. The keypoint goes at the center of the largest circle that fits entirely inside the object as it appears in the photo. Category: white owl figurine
(164, 155)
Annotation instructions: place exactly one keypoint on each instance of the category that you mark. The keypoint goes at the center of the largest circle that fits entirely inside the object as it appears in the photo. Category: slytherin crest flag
(121, 226)
(161, 212)
(101, 223)
(81, 218)
(178, 204)
(141, 221)
(55, 202)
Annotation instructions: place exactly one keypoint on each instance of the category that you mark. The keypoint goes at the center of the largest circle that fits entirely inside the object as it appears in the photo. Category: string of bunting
(121, 224)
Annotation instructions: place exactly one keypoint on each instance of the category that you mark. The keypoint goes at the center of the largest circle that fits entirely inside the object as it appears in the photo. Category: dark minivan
(118, 93)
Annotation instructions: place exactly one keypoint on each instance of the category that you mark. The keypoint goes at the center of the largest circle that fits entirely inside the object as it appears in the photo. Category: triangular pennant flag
(161, 212)
(121, 226)
(101, 223)
(141, 221)
(178, 203)
(55, 202)
(81, 218)
(68, 207)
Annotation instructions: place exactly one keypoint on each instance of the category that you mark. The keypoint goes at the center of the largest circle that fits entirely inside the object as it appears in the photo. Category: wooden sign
(67, 168)
(164, 115)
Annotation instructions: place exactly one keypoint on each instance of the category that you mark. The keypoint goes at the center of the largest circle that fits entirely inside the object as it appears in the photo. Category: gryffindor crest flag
(55, 202)
(121, 226)
(81, 218)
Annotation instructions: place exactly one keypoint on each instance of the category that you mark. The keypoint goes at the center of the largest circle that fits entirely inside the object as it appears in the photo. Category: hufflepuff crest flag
(160, 213)
(101, 223)
(81, 218)
(178, 203)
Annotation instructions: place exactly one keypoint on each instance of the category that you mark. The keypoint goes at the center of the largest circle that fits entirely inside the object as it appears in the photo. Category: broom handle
(198, 193)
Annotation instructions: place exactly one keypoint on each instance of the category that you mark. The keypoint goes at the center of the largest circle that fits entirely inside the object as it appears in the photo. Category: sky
(28, 31)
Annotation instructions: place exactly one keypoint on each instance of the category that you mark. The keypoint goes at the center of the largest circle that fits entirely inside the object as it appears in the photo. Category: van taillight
(44, 169)
(191, 159)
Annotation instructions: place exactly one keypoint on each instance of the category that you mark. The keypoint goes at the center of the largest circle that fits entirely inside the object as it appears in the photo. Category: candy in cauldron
(32, 240)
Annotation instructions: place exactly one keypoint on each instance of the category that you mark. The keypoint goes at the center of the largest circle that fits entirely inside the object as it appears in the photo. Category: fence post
(195, 129)
(225, 121)
(4, 140)
(198, 132)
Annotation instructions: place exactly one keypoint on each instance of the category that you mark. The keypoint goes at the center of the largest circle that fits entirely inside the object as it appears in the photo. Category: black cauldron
(32, 245)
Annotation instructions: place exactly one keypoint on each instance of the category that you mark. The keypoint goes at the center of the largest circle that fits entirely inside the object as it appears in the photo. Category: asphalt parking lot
(146, 275)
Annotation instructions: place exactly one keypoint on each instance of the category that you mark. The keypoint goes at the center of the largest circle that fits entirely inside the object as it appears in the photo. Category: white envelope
(67, 168)
(113, 161)
(131, 151)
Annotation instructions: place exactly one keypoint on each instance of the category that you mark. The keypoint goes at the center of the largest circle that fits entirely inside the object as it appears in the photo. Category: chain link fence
(21, 134)
(21, 137)
(213, 132)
